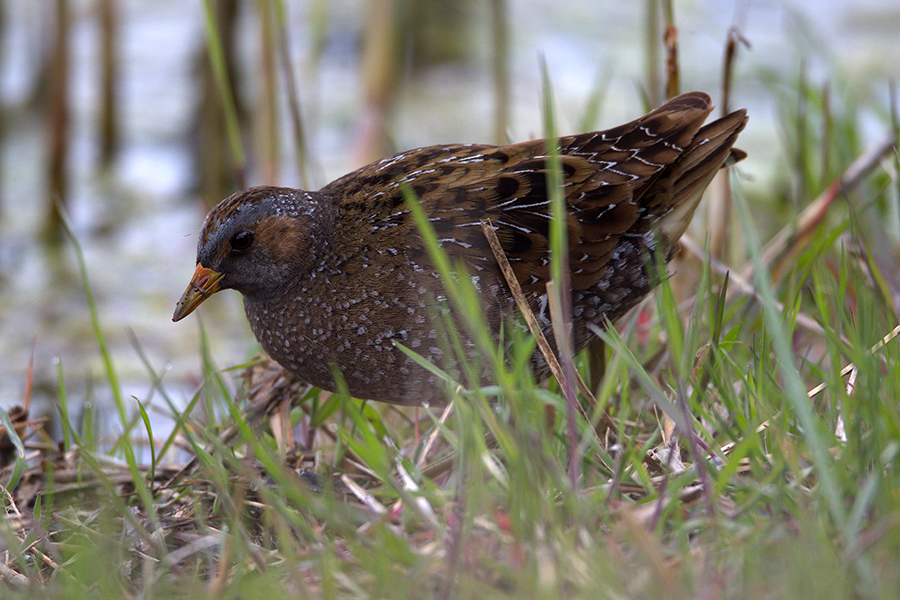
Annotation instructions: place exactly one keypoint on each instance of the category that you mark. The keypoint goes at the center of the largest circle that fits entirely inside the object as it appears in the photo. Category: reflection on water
(138, 224)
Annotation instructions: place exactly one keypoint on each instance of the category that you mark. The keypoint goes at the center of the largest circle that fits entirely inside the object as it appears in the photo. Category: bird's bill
(204, 284)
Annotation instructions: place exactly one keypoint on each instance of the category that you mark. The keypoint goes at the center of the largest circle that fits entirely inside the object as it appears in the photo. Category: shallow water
(138, 224)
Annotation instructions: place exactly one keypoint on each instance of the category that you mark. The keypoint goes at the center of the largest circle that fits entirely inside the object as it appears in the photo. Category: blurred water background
(136, 207)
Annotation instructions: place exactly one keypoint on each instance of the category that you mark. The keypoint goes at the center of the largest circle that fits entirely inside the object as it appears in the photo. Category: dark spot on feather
(537, 181)
(423, 189)
(443, 228)
(381, 178)
(521, 243)
(501, 157)
(507, 187)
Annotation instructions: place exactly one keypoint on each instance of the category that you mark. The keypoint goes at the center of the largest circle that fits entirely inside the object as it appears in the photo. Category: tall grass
(719, 476)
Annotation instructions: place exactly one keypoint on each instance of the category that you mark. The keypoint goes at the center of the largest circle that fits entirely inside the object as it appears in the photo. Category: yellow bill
(204, 284)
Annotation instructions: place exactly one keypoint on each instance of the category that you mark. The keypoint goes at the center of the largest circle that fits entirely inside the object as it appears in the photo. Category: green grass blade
(217, 58)
(561, 298)
(149, 429)
(63, 399)
(20, 463)
(794, 390)
(108, 365)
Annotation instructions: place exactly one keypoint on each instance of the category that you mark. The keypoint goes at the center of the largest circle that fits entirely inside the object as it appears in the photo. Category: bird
(334, 281)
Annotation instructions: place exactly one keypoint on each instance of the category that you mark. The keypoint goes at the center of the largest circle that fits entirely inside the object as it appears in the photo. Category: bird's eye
(242, 241)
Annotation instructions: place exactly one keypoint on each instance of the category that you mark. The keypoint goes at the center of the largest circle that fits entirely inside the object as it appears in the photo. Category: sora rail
(332, 279)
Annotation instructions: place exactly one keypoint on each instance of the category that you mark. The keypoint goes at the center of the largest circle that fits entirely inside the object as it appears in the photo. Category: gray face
(256, 245)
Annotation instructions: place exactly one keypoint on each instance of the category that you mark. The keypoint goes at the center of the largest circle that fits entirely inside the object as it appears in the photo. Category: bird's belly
(351, 345)
(349, 338)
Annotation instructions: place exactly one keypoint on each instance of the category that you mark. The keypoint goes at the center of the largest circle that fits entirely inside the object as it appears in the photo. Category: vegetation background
(709, 468)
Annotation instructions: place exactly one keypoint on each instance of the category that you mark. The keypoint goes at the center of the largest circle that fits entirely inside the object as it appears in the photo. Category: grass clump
(721, 474)
(741, 442)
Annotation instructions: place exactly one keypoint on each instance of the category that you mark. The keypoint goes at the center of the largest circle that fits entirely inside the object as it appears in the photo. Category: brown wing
(616, 182)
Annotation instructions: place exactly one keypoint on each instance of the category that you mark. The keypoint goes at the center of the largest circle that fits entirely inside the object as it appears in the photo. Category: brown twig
(785, 245)
(719, 203)
(737, 284)
(542, 343)
(851, 366)
(58, 126)
(673, 83)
